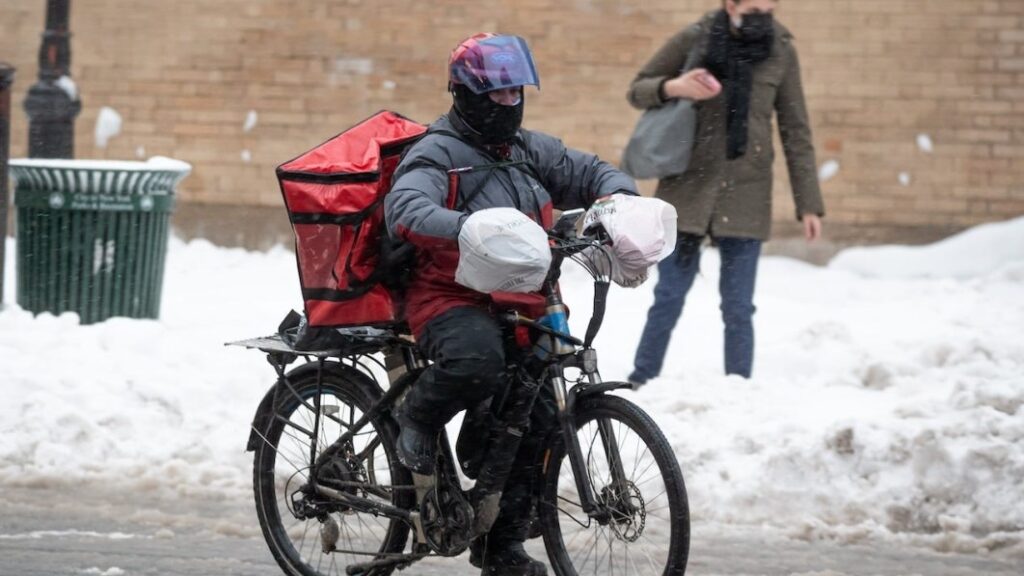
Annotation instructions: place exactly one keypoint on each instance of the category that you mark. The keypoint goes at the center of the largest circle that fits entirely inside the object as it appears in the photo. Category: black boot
(507, 558)
(416, 446)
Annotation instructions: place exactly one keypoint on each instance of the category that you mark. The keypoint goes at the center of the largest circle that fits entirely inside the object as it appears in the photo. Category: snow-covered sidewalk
(886, 401)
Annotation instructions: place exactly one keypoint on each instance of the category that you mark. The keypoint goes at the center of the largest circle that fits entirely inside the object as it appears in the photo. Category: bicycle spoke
(636, 462)
(600, 559)
(653, 463)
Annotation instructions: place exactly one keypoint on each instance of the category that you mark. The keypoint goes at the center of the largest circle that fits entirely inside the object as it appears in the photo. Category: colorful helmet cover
(486, 62)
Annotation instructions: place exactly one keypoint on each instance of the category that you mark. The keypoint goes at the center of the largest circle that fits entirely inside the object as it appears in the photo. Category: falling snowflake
(828, 170)
(924, 142)
(108, 125)
(250, 121)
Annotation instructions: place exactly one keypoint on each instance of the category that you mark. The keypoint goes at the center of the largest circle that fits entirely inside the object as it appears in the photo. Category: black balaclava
(494, 123)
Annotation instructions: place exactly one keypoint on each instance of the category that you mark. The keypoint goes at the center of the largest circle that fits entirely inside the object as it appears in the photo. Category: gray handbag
(663, 139)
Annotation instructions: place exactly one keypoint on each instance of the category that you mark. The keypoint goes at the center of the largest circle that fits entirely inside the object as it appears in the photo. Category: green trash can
(92, 235)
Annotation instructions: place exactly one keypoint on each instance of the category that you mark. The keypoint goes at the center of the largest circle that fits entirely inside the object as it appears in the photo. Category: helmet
(485, 62)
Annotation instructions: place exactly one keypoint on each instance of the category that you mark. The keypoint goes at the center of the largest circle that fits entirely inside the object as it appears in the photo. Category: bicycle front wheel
(642, 527)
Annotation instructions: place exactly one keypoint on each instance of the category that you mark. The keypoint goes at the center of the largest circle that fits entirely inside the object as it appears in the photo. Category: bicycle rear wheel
(291, 517)
(647, 531)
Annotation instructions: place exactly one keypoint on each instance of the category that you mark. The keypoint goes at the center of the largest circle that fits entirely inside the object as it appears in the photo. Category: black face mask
(496, 123)
(756, 26)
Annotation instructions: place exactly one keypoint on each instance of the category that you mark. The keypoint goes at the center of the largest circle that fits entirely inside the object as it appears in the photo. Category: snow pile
(976, 252)
(881, 405)
(144, 402)
(886, 402)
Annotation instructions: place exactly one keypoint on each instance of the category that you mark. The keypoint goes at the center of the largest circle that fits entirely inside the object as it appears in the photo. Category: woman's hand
(812, 227)
(697, 84)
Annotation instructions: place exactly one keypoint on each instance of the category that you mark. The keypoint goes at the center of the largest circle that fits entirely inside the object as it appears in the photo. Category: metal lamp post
(52, 108)
(6, 78)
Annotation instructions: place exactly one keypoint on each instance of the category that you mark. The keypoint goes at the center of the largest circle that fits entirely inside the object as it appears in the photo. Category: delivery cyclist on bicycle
(474, 158)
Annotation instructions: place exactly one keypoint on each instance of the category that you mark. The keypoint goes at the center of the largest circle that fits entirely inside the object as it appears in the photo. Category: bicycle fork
(589, 502)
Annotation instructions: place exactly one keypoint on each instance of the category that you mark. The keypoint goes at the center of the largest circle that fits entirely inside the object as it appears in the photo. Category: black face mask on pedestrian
(755, 26)
(495, 123)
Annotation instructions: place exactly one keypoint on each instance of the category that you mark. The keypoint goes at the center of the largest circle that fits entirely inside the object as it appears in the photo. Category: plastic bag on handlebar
(612, 268)
(642, 231)
(502, 250)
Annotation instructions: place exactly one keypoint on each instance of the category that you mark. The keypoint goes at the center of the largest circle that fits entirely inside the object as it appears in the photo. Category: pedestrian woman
(747, 71)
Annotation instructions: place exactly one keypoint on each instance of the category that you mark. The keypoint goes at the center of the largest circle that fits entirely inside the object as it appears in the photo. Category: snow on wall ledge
(883, 406)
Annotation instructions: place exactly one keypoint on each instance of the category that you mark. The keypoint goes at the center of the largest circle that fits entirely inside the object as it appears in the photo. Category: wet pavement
(92, 531)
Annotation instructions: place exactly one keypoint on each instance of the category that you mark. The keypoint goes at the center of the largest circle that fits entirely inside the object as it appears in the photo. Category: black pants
(466, 347)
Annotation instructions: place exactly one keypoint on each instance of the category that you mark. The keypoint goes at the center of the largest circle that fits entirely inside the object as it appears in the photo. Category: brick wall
(184, 76)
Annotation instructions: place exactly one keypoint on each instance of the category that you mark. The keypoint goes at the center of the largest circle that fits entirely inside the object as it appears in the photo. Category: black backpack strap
(524, 166)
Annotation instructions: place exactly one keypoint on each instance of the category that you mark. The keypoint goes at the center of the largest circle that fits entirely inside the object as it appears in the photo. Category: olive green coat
(733, 198)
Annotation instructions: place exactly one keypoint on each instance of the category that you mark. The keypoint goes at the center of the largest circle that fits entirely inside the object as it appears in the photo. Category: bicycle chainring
(447, 519)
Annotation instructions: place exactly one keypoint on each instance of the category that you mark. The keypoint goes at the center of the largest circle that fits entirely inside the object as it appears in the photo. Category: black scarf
(731, 58)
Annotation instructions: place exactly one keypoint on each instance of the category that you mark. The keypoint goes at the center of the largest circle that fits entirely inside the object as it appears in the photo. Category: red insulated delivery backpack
(335, 199)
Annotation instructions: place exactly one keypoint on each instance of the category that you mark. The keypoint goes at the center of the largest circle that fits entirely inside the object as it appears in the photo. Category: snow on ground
(886, 401)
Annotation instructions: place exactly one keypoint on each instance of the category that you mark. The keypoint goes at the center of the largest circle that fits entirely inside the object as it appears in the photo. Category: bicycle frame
(566, 399)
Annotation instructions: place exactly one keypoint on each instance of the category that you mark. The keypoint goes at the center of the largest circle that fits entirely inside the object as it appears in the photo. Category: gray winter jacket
(444, 177)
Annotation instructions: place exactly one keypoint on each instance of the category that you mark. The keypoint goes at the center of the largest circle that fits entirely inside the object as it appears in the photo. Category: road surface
(85, 530)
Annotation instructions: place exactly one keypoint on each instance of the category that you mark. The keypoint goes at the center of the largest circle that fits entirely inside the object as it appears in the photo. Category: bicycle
(331, 494)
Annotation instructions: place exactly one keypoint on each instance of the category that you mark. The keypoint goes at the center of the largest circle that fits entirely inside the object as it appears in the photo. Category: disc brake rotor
(628, 510)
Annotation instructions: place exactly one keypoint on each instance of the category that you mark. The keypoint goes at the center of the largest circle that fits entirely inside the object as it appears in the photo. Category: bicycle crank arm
(400, 562)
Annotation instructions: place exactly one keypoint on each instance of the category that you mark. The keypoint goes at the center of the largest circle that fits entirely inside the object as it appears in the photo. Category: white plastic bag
(502, 250)
(642, 230)
(612, 268)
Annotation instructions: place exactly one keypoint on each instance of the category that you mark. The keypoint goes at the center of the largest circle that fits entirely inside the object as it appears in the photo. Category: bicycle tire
(558, 478)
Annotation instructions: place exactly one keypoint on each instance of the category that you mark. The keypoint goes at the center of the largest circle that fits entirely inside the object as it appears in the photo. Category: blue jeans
(675, 277)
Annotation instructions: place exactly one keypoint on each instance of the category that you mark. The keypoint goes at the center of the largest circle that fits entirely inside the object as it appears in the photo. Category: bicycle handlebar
(566, 242)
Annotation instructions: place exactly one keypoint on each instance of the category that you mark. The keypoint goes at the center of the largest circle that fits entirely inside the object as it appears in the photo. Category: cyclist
(477, 157)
